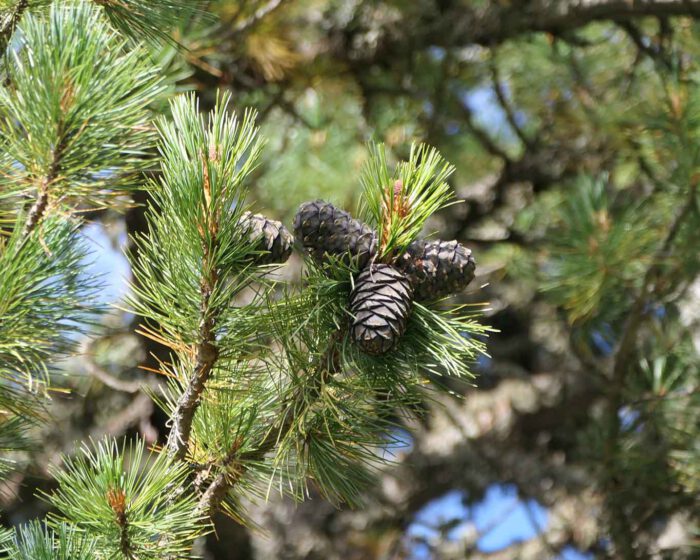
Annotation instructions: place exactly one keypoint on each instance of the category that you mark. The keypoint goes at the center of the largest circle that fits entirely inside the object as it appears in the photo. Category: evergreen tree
(573, 130)
(268, 394)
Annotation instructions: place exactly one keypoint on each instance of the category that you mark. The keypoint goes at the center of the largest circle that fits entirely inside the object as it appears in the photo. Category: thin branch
(505, 104)
(539, 531)
(109, 380)
(38, 209)
(136, 413)
(206, 350)
(683, 394)
(8, 24)
(105, 377)
(486, 141)
(288, 107)
(635, 35)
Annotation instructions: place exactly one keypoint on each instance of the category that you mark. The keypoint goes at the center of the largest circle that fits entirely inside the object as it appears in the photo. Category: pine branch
(326, 366)
(105, 492)
(8, 23)
(38, 209)
(197, 256)
(491, 23)
(623, 359)
(70, 136)
(207, 352)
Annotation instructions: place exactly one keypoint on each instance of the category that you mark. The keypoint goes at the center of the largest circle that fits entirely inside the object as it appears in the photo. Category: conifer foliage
(265, 385)
(393, 265)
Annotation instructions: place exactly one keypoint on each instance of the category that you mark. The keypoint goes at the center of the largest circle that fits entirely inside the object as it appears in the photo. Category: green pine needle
(331, 425)
(399, 204)
(75, 121)
(134, 505)
(598, 252)
(151, 20)
(37, 542)
(45, 300)
(200, 201)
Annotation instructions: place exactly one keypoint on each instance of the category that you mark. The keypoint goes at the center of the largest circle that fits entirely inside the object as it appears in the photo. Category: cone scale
(437, 269)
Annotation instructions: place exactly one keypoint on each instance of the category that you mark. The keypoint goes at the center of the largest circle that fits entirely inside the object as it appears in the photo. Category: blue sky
(501, 519)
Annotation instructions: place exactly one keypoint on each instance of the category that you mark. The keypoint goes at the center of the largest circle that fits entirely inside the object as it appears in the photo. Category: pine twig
(206, 351)
(10, 24)
(117, 501)
(215, 493)
(505, 104)
(38, 209)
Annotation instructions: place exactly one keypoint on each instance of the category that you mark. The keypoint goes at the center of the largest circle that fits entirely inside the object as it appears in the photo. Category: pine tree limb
(210, 502)
(9, 23)
(38, 209)
(496, 22)
(206, 352)
(620, 526)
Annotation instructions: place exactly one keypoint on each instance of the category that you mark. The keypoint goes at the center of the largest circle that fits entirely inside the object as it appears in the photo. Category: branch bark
(503, 20)
(38, 209)
(493, 22)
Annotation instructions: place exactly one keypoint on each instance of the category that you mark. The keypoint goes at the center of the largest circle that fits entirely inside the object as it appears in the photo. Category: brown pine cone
(380, 305)
(324, 229)
(437, 268)
(269, 236)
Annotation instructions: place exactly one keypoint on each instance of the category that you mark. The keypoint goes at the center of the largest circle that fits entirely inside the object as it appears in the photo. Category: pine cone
(380, 305)
(324, 229)
(267, 235)
(437, 268)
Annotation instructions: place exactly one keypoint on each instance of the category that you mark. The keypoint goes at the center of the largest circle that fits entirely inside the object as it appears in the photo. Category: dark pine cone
(437, 269)
(380, 305)
(267, 235)
(324, 229)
